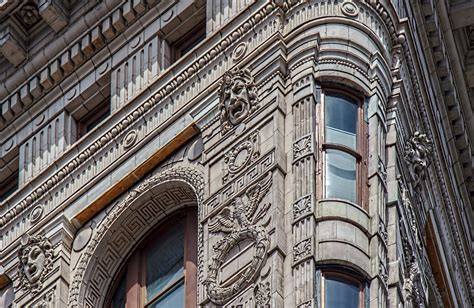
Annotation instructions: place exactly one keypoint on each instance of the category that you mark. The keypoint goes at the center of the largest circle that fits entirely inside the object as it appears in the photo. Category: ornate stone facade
(116, 115)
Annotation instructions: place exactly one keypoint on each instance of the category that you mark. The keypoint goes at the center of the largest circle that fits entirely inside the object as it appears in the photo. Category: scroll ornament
(239, 221)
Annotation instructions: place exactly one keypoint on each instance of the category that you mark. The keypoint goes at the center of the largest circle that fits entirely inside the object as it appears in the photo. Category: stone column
(303, 168)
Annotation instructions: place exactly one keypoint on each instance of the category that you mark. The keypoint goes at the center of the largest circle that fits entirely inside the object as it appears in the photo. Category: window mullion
(133, 282)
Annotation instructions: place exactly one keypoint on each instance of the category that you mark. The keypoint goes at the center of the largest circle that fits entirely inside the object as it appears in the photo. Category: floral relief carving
(239, 221)
(241, 155)
(262, 294)
(302, 206)
(36, 260)
(238, 98)
(302, 147)
(302, 250)
(418, 151)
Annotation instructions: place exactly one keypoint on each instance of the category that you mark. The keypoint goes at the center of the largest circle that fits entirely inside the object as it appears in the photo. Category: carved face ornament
(33, 260)
(36, 256)
(238, 98)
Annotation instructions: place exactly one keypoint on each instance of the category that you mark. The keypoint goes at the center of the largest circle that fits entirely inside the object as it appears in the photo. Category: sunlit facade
(218, 153)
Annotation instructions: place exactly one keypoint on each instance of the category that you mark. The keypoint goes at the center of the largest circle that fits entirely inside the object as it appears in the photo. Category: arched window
(339, 290)
(343, 146)
(162, 271)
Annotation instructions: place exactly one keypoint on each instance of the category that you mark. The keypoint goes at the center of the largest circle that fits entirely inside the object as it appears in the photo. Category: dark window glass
(341, 121)
(172, 299)
(118, 300)
(340, 293)
(165, 260)
(341, 175)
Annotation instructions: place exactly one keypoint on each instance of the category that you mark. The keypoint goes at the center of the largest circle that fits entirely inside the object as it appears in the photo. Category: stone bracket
(53, 13)
(11, 44)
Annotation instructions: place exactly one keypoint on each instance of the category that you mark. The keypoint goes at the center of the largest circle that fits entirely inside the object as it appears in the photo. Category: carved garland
(184, 174)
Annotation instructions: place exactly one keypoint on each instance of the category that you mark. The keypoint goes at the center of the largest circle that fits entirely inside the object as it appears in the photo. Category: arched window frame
(135, 265)
(345, 276)
(359, 153)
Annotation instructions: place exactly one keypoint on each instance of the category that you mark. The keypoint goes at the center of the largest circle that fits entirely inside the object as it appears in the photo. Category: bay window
(340, 290)
(343, 146)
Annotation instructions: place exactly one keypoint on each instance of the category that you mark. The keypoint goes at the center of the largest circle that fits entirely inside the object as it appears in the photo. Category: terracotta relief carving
(302, 207)
(412, 286)
(36, 260)
(237, 158)
(418, 151)
(262, 294)
(239, 222)
(302, 147)
(349, 8)
(238, 98)
(302, 250)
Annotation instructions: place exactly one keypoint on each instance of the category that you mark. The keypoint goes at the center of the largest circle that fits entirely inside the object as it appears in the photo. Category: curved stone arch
(351, 68)
(90, 279)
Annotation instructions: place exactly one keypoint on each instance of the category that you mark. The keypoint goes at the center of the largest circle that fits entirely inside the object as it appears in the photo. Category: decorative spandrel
(239, 221)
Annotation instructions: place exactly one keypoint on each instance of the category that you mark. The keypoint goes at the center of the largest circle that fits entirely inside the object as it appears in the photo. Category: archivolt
(95, 270)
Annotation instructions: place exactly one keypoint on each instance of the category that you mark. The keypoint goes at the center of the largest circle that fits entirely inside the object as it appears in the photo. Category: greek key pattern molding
(98, 277)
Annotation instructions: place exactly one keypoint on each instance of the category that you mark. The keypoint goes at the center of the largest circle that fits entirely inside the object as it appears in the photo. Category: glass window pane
(165, 260)
(172, 299)
(341, 175)
(118, 300)
(341, 293)
(341, 121)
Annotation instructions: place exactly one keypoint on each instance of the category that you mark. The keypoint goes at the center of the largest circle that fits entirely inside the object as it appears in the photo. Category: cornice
(422, 100)
(162, 94)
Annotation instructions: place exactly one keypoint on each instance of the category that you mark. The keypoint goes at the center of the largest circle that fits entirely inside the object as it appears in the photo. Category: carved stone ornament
(36, 260)
(262, 294)
(239, 222)
(29, 14)
(418, 151)
(302, 207)
(237, 158)
(302, 147)
(302, 250)
(412, 286)
(238, 98)
(349, 8)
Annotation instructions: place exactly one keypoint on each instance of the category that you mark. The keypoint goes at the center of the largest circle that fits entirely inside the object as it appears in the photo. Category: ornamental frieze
(239, 221)
(36, 260)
